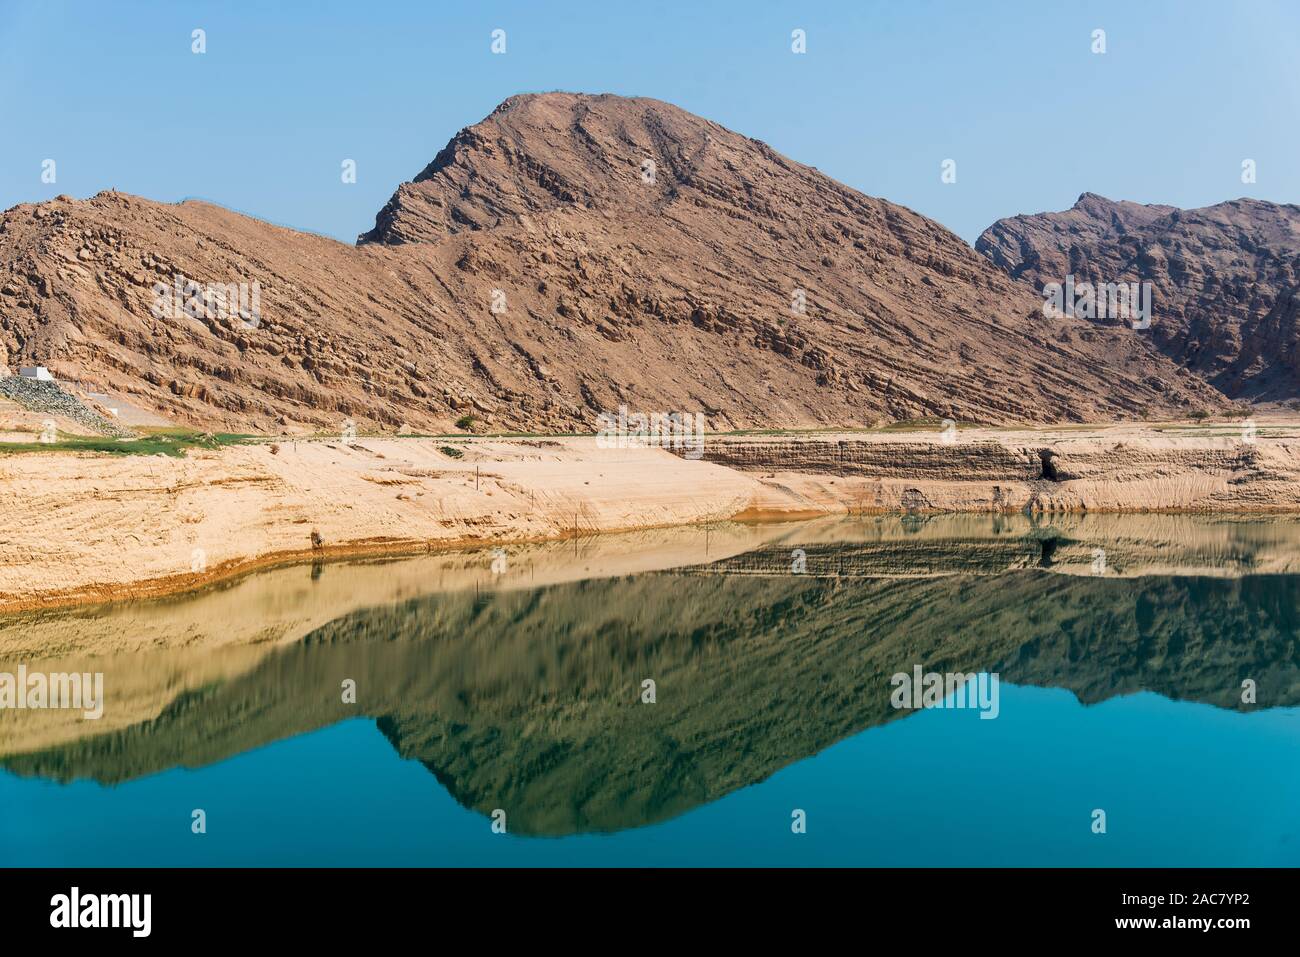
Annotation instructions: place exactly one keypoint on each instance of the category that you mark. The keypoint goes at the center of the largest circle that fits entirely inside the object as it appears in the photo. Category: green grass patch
(167, 441)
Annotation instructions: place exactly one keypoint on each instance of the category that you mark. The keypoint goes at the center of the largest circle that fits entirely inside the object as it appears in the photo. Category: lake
(493, 707)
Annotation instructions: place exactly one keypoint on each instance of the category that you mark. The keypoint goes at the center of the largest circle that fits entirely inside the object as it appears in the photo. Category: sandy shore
(83, 527)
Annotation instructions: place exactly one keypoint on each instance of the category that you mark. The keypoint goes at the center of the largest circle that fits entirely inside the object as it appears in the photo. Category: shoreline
(84, 529)
(162, 649)
(231, 573)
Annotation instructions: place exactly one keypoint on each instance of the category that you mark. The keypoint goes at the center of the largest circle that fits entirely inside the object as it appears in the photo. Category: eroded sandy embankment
(81, 528)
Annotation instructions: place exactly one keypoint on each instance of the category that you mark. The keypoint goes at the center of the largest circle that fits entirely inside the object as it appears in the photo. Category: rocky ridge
(1225, 279)
(567, 255)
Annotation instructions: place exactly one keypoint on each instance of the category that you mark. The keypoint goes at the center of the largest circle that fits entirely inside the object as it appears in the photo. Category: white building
(35, 372)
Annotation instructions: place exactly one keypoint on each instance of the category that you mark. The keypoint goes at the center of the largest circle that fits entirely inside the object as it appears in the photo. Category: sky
(1011, 91)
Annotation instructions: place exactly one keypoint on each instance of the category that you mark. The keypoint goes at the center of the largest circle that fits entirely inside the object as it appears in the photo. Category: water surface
(771, 649)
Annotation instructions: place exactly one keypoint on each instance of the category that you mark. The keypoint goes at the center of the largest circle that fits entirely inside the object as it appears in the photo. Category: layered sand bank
(86, 527)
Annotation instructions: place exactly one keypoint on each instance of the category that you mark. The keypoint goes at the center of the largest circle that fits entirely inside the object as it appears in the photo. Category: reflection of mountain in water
(530, 700)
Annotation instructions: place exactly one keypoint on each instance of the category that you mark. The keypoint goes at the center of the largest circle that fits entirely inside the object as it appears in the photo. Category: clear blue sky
(885, 93)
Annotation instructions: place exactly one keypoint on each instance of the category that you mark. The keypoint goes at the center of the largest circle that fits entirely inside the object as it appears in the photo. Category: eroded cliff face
(1226, 279)
(567, 255)
(1049, 472)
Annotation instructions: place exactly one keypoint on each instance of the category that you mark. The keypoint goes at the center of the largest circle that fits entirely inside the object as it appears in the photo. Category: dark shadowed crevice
(1049, 467)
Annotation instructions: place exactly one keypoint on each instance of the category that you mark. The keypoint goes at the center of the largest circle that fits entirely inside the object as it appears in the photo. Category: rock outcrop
(1225, 279)
(1061, 472)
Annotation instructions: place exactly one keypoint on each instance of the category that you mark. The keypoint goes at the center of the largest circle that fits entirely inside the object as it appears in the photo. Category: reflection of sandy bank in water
(528, 699)
(153, 653)
(283, 604)
(1130, 545)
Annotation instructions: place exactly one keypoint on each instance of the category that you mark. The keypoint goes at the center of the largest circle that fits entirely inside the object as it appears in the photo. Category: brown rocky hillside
(1225, 279)
(536, 274)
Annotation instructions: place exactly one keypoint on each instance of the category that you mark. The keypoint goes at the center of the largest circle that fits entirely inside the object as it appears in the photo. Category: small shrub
(452, 452)
(465, 422)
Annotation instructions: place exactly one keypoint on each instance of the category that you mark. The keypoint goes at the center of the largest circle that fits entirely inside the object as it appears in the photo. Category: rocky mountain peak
(568, 255)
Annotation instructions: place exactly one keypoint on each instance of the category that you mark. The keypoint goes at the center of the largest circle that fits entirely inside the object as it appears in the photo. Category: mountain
(1225, 279)
(568, 254)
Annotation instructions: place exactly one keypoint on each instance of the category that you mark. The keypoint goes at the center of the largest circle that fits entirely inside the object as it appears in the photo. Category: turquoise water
(1182, 784)
(772, 696)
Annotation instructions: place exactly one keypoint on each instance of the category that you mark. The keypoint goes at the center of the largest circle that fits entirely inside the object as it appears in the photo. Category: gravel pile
(35, 395)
